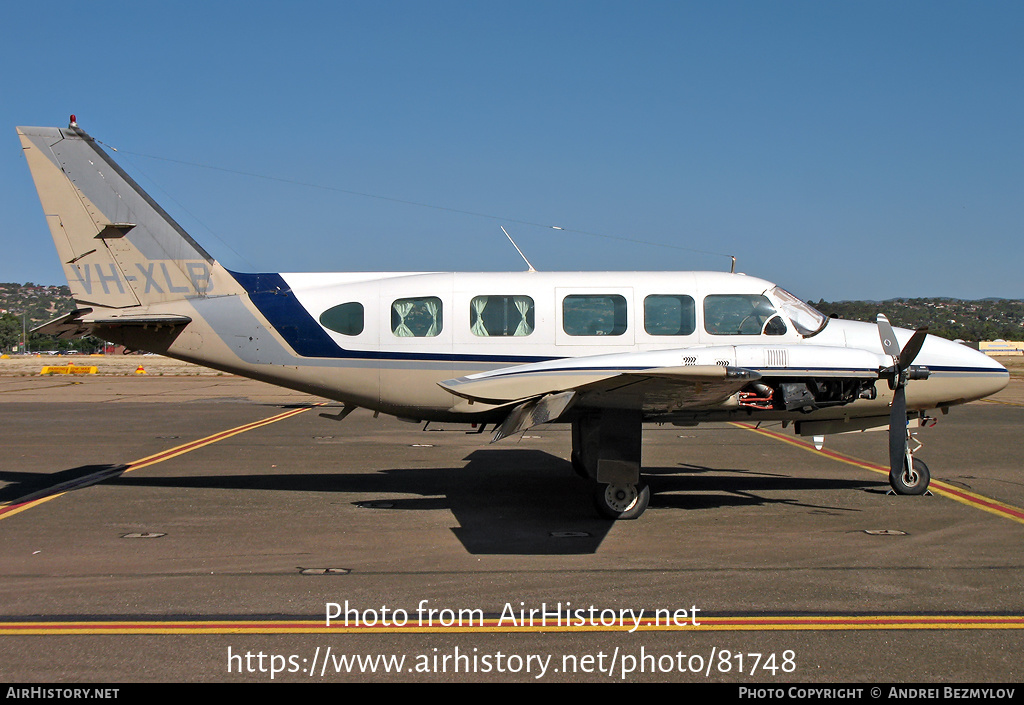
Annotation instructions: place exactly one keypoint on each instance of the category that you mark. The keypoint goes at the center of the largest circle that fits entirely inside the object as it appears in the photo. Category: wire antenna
(476, 214)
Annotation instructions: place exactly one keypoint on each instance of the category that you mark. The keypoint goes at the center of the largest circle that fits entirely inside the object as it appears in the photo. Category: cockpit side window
(775, 326)
(741, 314)
(346, 318)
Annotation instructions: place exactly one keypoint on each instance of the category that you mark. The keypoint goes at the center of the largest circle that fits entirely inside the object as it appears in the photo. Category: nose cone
(962, 374)
(959, 374)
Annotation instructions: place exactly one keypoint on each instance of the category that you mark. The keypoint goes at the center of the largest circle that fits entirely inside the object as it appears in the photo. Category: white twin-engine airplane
(604, 351)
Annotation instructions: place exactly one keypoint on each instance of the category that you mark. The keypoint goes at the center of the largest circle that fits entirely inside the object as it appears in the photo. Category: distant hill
(25, 306)
(982, 319)
(41, 302)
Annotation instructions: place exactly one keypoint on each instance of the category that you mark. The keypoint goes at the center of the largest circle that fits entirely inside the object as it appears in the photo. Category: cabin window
(416, 318)
(741, 314)
(666, 314)
(346, 319)
(501, 315)
(594, 314)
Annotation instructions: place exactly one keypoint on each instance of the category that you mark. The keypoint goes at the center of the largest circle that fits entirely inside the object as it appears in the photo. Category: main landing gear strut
(606, 449)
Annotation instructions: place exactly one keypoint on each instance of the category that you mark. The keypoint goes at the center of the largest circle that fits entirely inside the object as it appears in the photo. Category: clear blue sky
(845, 150)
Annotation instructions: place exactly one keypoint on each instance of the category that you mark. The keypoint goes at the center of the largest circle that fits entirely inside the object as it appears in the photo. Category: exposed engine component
(805, 396)
(758, 396)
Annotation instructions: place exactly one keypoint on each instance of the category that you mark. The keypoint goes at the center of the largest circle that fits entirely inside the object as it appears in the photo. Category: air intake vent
(776, 357)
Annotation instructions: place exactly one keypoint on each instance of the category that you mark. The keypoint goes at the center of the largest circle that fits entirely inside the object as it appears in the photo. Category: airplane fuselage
(385, 341)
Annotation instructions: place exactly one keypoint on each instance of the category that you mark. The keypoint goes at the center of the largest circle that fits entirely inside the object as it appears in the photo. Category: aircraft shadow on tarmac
(27, 486)
(690, 487)
(506, 502)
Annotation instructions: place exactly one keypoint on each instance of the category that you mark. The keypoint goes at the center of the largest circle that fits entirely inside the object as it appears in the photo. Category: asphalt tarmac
(205, 526)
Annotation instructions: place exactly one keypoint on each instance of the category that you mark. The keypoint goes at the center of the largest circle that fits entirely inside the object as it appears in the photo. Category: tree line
(955, 319)
(11, 331)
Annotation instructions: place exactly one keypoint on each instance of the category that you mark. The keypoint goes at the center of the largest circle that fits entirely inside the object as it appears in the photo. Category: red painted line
(11, 508)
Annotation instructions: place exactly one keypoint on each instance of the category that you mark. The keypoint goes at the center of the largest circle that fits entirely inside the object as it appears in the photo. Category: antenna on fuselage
(732, 270)
(517, 248)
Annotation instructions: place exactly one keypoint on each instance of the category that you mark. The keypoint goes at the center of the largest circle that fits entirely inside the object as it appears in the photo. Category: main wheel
(622, 501)
(913, 480)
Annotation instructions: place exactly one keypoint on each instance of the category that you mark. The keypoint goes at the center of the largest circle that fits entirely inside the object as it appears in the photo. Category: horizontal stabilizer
(147, 321)
(79, 323)
(68, 326)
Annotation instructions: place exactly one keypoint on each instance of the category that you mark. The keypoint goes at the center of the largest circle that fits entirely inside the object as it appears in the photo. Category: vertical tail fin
(118, 247)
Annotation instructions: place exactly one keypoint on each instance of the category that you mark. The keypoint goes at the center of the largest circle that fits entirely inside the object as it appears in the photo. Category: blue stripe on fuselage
(273, 297)
(275, 300)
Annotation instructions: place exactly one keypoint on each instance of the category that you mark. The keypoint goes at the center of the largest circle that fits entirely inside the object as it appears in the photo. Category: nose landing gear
(913, 480)
(913, 477)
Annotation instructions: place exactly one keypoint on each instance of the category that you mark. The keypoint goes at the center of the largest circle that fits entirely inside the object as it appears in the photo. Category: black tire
(577, 465)
(911, 481)
(617, 502)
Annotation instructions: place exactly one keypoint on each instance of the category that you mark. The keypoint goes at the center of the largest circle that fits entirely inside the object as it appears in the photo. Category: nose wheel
(622, 501)
(913, 479)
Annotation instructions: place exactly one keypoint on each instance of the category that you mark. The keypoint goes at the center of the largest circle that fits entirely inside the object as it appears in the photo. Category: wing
(655, 382)
(794, 378)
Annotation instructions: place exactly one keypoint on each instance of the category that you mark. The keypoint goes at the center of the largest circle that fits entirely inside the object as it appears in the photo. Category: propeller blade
(897, 376)
(888, 337)
(898, 431)
(912, 348)
(891, 346)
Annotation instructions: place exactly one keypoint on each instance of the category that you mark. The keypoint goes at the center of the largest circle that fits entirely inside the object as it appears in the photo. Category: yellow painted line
(19, 505)
(1000, 401)
(496, 625)
(971, 499)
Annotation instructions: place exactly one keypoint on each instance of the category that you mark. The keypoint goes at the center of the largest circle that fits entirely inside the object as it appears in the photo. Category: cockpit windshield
(806, 319)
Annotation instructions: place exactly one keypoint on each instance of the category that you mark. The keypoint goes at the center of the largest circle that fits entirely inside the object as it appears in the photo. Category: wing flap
(533, 413)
